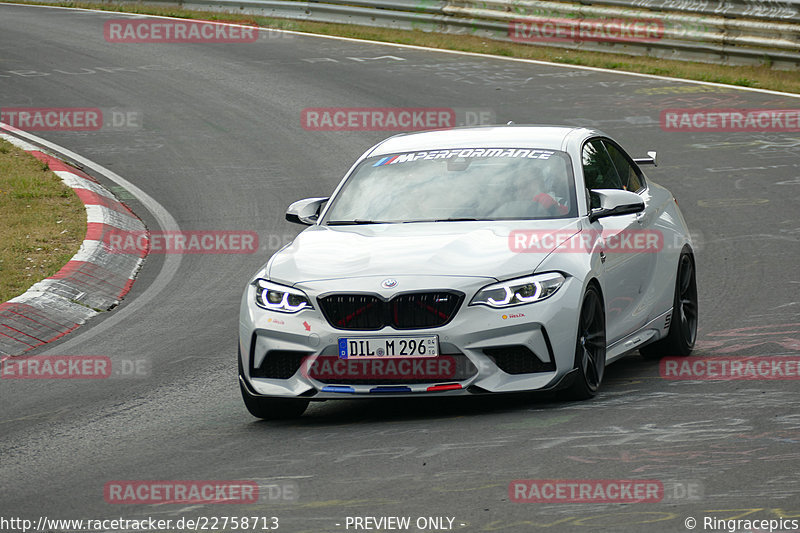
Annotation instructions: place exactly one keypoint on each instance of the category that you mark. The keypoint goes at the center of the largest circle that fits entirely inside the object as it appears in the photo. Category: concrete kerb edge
(95, 279)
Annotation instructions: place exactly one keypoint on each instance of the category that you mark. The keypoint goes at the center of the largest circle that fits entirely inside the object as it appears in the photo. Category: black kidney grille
(353, 311)
(423, 309)
(413, 310)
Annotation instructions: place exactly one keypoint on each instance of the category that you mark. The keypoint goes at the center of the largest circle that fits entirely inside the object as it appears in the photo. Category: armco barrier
(788, 10)
(736, 32)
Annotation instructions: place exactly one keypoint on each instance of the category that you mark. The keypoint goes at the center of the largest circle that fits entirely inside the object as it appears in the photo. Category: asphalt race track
(221, 147)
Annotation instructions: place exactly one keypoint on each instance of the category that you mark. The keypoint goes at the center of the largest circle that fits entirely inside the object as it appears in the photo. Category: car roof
(507, 136)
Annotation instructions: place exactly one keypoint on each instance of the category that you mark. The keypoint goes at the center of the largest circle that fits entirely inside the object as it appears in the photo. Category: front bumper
(482, 350)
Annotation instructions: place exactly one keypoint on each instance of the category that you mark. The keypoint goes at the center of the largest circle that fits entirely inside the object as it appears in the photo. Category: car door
(626, 268)
(646, 257)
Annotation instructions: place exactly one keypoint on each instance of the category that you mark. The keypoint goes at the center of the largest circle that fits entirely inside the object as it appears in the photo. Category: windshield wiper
(359, 221)
(460, 219)
(454, 219)
(355, 222)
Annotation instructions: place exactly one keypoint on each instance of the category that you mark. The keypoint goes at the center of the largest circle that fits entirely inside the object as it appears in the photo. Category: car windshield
(457, 184)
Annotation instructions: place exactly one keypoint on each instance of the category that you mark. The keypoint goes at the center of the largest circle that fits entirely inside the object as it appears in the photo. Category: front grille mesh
(413, 310)
(518, 360)
(279, 364)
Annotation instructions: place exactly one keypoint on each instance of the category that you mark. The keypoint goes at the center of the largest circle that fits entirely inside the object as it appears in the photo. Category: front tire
(590, 347)
(273, 408)
(270, 408)
(683, 326)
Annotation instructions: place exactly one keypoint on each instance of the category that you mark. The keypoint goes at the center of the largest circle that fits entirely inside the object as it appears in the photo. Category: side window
(599, 171)
(631, 179)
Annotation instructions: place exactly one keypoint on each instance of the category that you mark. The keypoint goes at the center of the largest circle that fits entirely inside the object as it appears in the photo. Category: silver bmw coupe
(470, 261)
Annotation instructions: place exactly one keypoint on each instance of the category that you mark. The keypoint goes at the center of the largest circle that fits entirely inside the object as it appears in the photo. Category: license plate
(388, 347)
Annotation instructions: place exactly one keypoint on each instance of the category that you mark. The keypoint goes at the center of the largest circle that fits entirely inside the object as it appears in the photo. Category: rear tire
(683, 326)
(270, 408)
(590, 347)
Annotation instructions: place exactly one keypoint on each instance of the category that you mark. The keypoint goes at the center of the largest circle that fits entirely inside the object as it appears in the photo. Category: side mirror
(613, 202)
(649, 160)
(305, 211)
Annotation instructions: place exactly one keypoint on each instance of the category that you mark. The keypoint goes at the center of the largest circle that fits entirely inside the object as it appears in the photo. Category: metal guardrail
(686, 29)
(788, 10)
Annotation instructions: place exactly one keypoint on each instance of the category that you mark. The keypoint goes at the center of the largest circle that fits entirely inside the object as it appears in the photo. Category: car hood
(417, 249)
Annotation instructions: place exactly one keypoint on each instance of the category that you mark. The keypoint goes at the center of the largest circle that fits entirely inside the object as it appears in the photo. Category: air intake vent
(279, 364)
(518, 360)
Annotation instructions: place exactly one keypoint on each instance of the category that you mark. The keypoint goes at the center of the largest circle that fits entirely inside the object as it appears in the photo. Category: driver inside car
(550, 189)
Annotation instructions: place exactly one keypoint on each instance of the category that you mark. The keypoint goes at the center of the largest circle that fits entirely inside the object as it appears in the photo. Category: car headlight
(280, 298)
(519, 291)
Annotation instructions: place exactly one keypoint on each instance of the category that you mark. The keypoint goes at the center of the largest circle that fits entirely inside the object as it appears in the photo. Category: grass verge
(762, 77)
(42, 221)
